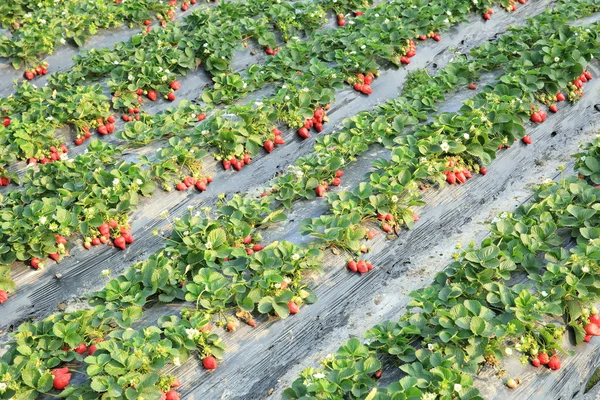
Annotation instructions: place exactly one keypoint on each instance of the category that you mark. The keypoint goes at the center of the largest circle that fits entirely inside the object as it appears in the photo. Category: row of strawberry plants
(178, 159)
(213, 260)
(471, 316)
(38, 28)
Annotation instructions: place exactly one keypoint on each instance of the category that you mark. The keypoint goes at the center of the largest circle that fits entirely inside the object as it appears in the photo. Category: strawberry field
(326, 199)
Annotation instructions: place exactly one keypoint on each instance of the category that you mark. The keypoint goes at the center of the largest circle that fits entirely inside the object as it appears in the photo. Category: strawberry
(554, 363)
(180, 186)
(320, 190)
(61, 381)
(172, 395)
(128, 237)
(29, 75)
(560, 96)
(237, 164)
(35, 263)
(386, 228)
(411, 53)
(587, 338)
(279, 140)
(318, 127)
(536, 117)
(276, 132)
(467, 173)
(553, 108)
(268, 146)
(102, 130)
(258, 247)
(95, 241)
(303, 133)
(415, 217)
(423, 37)
(378, 374)
(184, 7)
(544, 359)
(578, 83)
(489, 11)
(511, 383)
(369, 265)
(368, 79)
(352, 265)
(120, 242)
(152, 95)
(54, 256)
(371, 234)
(59, 371)
(3, 296)
(361, 267)
(358, 86)
(92, 349)
(230, 326)
(535, 362)
(437, 37)
(472, 86)
(595, 319)
(247, 239)
(583, 78)
(6, 122)
(103, 239)
(339, 173)
(336, 182)
(126, 118)
(226, 164)
(460, 177)
(293, 307)
(487, 16)
(405, 60)
(209, 362)
(451, 178)
(527, 139)
(592, 329)
(171, 96)
(201, 185)
(110, 128)
(81, 348)
(111, 119)
(87, 245)
(341, 22)
(176, 383)
(366, 89)
(588, 75)
(251, 322)
(147, 22)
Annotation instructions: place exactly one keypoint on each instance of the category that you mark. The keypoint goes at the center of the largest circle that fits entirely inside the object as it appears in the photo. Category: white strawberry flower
(53, 227)
(585, 269)
(351, 22)
(445, 146)
(394, 199)
(457, 387)
(428, 396)
(448, 12)
(164, 78)
(105, 272)
(177, 362)
(295, 257)
(130, 77)
(363, 47)
(139, 181)
(105, 191)
(3, 387)
(190, 208)
(446, 21)
(258, 103)
(430, 346)
(43, 220)
(508, 351)
(466, 136)
(62, 41)
(115, 181)
(116, 62)
(192, 333)
(287, 98)
(380, 140)
(544, 293)
(208, 245)
(319, 375)
(556, 59)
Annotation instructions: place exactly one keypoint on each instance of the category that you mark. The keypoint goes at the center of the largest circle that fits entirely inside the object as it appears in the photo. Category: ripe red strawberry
(560, 96)
(6, 122)
(120, 242)
(110, 128)
(595, 319)
(237, 164)
(318, 127)
(102, 130)
(544, 359)
(258, 247)
(54, 256)
(489, 11)
(411, 53)
(467, 173)
(487, 16)
(336, 182)
(276, 131)
(588, 75)
(583, 78)
(358, 86)
(553, 108)
(303, 133)
(111, 119)
(247, 239)
(152, 95)
(61, 381)
(81, 348)
(185, 7)
(460, 176)
(368, 79)
(451, 178)
(405, 60)
(371, 234)
(592, 329)
(578, 83)
(147, 22)
(437, 37)
(279, 140)
(423, 37)
(268, 145)
(369, 265)
(226, 164)
(201, 185)
(209, 362)
(587, 338)
(293, 307)
(535, 362)
(554, 363)
(341, 22)
(352, 265)
(3, 296)
(180, 186)
(126, 118)
(29, 75)
(320, 190)
(472, 86)
(386, 228)
(527, 139)
(536, 117)
(176, 383)
(95, 241)
(366, 89)
(172, 395)
(171, 96)
(361, 267)
(201, 117)
(92, 349)
(128, 237)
